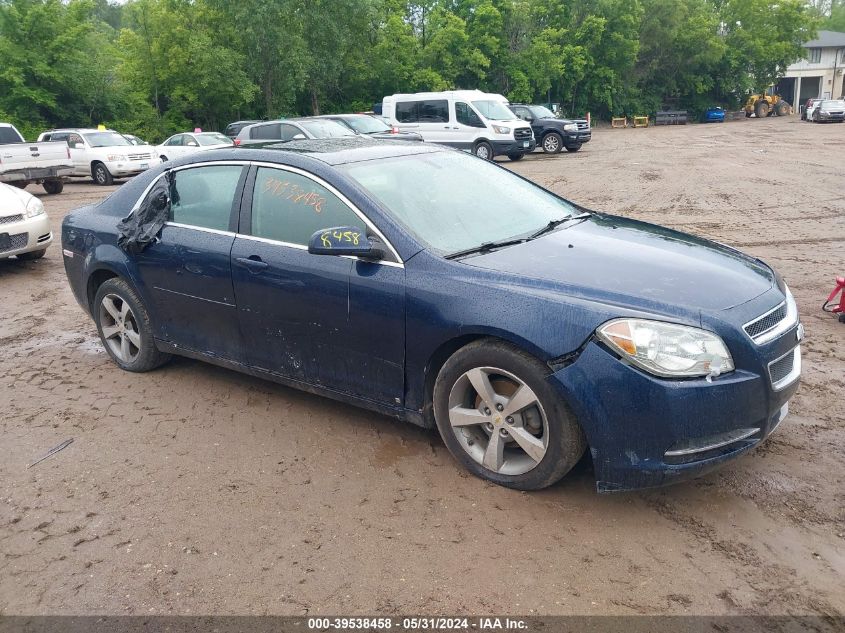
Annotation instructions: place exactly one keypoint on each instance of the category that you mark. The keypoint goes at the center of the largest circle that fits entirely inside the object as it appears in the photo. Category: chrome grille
(522, 133)
(767, 322)
(8, 219)
(583, 126)
(140, 156)
(16, 241)
(781, 368)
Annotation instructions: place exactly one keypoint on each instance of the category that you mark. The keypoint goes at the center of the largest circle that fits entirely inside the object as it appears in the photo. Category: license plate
(525, 143)
(5, 242)
(145, 165)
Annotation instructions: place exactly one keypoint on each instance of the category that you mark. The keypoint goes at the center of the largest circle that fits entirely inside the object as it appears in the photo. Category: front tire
(573, 148)
(125, 328)
(762, 109)
(483, 150)
(552, 143)
(502, 420)
(101, 175)
(518, 156)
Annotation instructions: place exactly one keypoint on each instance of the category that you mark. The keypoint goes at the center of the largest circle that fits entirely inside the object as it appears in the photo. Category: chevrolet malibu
(441, 289)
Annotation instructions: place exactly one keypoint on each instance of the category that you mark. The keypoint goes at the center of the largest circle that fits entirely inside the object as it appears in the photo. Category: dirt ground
(196, 490)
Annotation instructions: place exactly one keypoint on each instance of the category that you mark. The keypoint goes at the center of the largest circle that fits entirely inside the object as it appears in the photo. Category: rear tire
(32, 255)
(125, 328)
(101, 175)
(539, 420)
(761, 109)
(782, 108)
(483, 150)
(53, 187)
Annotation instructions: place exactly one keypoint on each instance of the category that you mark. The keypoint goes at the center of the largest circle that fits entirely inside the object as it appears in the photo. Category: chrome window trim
(787, 323)
(793, 375)
(246, 163)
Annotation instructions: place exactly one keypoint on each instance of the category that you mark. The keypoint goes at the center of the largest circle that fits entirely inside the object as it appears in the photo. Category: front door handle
(253, 262)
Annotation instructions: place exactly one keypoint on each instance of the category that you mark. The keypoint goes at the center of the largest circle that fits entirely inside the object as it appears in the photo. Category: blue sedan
(443, 290)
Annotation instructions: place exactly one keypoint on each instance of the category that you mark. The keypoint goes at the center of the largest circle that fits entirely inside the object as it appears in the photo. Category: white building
(819, 74)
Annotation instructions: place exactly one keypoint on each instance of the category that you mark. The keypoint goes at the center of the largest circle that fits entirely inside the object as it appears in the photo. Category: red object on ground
(831, 306)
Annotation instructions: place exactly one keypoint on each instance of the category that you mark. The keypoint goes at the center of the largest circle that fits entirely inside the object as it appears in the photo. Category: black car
(373, 127)
(233, 128)
(553, 134)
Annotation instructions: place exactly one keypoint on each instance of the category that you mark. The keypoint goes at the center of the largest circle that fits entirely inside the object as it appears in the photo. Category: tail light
(394, 130)
(237, 142)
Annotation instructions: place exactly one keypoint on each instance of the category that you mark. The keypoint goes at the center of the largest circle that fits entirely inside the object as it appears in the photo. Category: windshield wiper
(556, 223)
(486, 247)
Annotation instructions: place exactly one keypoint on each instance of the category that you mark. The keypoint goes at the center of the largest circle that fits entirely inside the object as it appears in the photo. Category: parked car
(183, 144)
(24, 226)
(713, 115)
(23, 163)
(444, 290)
(552, 133)
(811, 106)
(233, 129)
(829, 111)
(372, 126)
(103, 154)
(466, 119)
(292, 130)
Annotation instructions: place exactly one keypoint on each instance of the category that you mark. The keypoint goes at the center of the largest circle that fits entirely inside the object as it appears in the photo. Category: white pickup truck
(22, 163)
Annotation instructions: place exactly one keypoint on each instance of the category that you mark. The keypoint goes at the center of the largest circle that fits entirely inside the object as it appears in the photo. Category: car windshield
(835, 104)
(494, 110)
(367, 124)
(452, 201)
(326, 129)
(542, 112)
(213, 138)
(106, 139)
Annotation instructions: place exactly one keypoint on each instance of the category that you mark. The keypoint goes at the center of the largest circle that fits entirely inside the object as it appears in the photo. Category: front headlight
(666, 349)
(115, 157)
(498, 129)
(34, 207)
(570, 127)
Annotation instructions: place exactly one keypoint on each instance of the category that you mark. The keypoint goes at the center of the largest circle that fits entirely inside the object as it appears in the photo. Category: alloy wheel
(551, 144)
(120, 328)
(498, 420)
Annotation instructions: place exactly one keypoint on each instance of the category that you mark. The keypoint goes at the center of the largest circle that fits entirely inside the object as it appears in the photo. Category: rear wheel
(782, 108)
(125, 328)
(484, 150)
(502, 420)
(761, 109)
(53, 187)
(101, 174)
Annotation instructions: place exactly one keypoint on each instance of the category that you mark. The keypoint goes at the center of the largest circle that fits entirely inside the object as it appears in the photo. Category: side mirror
(193, 144)
(77, 146)
(343, 240)
(299, 137)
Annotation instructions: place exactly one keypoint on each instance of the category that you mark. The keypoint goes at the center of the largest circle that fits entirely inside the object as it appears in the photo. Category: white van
(103, 154)
(467, 119)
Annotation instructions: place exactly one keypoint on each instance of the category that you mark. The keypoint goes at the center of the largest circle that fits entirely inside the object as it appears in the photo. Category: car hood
(633, 263)
(13, 200)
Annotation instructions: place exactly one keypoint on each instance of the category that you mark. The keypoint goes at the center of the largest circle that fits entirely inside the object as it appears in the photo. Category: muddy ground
(194, 489)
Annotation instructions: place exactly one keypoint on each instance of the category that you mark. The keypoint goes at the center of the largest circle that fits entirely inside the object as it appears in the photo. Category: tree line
(154, 67)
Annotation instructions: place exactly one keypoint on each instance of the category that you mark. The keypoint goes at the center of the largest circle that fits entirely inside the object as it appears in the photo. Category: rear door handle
(252, 262)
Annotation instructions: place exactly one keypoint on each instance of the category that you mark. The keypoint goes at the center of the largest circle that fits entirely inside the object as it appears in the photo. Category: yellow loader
(766, 105)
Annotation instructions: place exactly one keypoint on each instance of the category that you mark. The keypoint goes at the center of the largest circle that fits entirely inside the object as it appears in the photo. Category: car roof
(332, 151)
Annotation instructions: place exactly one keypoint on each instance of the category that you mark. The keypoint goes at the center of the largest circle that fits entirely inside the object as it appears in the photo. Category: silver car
(292, 130)
(830, 110)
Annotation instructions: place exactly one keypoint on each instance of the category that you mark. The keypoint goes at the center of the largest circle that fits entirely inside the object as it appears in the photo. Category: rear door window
(8, 135)
(289, 207)
(203, 196)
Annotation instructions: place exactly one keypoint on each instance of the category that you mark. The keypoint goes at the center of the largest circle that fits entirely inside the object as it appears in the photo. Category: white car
(24, 226)
(180, 145)
(104, 154)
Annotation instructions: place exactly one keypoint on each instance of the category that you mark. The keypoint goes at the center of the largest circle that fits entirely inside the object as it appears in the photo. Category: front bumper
(25, 236)
(571, 139)
(645, 431)
(501, 148)
(131, 167)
